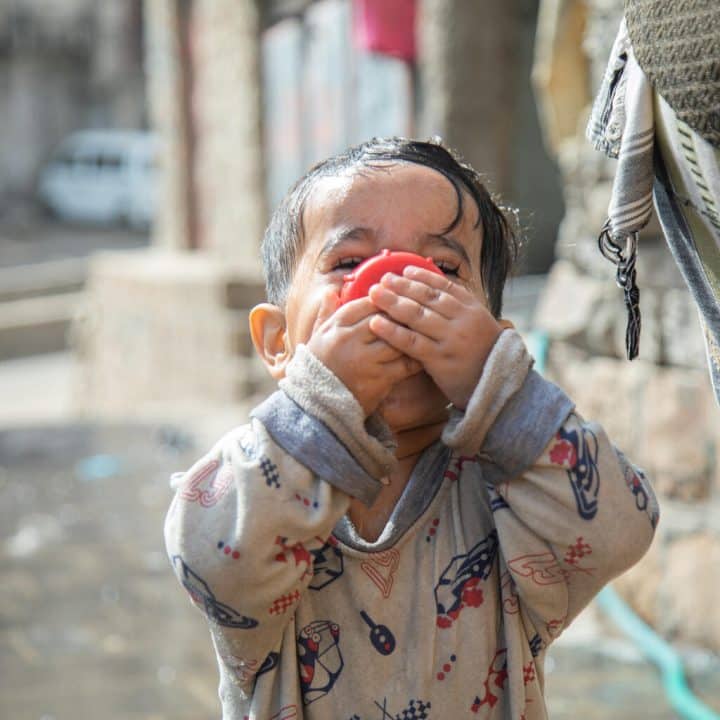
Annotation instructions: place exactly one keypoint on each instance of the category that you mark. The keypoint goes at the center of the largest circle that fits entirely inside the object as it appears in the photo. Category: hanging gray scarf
(621, 125)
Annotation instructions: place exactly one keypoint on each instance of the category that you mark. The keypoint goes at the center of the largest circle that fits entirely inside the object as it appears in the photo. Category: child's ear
(268, 332)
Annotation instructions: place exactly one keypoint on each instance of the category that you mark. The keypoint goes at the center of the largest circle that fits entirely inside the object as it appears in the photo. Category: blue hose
(653, 647)
(649, 643)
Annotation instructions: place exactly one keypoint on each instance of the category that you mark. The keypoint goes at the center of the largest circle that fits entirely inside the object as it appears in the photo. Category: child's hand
(440, 323)
(342, 340)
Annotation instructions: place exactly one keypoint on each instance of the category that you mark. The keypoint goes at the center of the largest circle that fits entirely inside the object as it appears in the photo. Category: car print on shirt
(460, 583)
(321, 662)
(203, 596)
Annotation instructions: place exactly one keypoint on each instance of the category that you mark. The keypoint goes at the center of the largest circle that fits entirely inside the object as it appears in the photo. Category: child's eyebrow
(451, 243)
(343, 235)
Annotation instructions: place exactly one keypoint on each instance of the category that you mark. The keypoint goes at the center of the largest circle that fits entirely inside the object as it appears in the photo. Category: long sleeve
(248, 518)
(571, 512)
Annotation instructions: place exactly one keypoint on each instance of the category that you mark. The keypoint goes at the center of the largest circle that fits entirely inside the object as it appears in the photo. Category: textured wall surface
(659, 409)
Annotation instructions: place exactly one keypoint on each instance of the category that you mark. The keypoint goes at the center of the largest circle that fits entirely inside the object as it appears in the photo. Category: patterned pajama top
(507, 528)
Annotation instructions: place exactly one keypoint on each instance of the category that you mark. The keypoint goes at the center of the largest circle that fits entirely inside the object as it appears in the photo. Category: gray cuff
(311, 443)
(525, 427)
(512, 414)
(505, 371)
(321, 394)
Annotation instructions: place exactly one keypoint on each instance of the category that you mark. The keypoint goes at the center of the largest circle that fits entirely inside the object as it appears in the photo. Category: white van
(103, 176)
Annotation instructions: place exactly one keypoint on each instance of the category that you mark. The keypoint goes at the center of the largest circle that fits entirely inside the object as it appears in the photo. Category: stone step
(44, 278)
(35, 325)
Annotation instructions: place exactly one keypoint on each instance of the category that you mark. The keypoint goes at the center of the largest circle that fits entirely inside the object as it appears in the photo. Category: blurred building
(64, 65)
(246, 95)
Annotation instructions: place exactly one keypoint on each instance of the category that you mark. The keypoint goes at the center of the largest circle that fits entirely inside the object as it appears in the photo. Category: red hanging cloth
(385, 26)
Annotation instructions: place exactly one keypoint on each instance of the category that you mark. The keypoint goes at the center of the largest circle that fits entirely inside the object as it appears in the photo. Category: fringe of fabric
(622, 125)
(624, 260)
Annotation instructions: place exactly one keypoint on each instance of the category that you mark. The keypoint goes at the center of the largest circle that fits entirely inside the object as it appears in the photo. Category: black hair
(283, 240)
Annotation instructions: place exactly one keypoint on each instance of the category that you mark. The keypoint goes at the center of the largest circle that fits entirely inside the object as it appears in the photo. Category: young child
(403, 528)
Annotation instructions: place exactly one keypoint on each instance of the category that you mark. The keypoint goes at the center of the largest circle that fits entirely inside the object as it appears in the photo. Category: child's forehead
(388, 189)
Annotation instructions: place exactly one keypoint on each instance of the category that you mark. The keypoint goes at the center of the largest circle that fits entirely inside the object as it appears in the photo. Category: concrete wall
(660, 409)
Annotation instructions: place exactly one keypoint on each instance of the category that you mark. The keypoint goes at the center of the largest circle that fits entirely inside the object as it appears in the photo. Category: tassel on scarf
(624, 260)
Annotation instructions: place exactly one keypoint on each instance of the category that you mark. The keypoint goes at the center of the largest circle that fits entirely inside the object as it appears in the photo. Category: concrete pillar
(225, 48)
(116, 67)
(168, 88)
(165, 330)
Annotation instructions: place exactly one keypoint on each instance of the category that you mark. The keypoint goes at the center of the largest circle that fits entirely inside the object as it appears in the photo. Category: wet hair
(283, 240)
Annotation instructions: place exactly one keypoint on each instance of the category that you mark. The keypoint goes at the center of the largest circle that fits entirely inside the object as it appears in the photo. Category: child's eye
(348, 264)
(449, 268)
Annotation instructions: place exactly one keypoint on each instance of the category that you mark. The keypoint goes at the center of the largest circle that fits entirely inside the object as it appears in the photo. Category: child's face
(402, 206)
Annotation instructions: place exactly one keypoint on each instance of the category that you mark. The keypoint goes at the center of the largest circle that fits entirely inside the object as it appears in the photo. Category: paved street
(40, 240)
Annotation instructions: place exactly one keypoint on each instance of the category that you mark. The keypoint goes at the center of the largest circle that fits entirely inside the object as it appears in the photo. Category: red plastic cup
(358, 283)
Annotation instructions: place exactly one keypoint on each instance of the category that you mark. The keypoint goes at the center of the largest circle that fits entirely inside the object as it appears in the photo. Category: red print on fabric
(306, 501)
(380, 568)
(493, 683)
(542, 568)
(446, 668)
(528, 672)
(554, 627)
(283, 603)
(207, 486)
(242, 668)
(460, 584)
(299, 552)
(456, 466)
(577, 551)
(288, 712)
(563, 453)
(509, 594)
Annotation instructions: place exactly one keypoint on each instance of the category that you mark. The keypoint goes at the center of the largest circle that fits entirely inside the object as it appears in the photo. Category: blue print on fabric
(583, 473)
(536, 645)
(203, 596)
(270, 663)
(635, 481)
(497, 501)
(321, 662)
(270, 473)
(459, 584)
(381, 636)
(415, 710)
(327, 564)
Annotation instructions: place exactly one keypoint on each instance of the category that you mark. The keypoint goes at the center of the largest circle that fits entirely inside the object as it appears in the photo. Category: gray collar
(425, 481)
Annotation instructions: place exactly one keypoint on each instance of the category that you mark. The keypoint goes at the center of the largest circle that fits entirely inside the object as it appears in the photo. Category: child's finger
(408, 312)
(380, 351)
(400, 368)
(328, 305)
(355, 311)
(407, 341)
(442, 303)
(438, 282)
